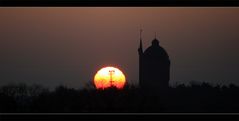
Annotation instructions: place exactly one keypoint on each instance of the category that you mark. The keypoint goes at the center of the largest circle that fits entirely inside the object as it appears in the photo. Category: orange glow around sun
(109, 77)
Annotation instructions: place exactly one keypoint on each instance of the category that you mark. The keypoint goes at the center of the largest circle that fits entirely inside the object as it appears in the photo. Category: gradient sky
(52, 46)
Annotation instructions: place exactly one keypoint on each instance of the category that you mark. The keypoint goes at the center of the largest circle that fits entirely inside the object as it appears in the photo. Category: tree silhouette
(198, 97)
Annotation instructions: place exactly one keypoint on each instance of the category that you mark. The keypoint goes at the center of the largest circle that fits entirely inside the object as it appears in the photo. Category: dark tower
(154, 66)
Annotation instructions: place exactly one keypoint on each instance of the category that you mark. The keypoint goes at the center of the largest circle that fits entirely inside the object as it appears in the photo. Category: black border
(119, 3)
(119, 117)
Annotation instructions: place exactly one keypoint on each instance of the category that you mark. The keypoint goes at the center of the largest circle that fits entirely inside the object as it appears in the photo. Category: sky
(66, 46)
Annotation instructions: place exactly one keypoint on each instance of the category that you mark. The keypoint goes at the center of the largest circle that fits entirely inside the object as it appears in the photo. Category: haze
(53, 46)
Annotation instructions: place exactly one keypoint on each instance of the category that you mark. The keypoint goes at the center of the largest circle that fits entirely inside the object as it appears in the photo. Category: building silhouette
(154, 66)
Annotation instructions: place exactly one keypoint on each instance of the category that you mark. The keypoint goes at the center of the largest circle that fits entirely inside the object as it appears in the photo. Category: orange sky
(54, 46)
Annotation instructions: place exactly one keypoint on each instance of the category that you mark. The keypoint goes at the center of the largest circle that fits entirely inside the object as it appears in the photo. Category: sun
(109, 77)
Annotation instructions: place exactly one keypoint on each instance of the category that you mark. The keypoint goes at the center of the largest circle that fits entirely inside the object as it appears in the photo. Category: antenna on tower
(155, 35)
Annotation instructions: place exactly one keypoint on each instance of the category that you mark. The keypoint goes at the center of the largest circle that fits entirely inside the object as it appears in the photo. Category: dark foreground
(202, 98)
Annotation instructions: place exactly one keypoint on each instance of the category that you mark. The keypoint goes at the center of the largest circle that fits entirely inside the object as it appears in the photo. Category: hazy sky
(52, 46)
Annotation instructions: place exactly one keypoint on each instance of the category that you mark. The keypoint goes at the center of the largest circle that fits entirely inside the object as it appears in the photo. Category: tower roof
(156, 51)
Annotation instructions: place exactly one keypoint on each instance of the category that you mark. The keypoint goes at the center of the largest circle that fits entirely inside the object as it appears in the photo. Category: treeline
(201, 97)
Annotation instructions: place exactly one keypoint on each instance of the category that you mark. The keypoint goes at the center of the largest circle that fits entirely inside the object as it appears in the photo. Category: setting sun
(109, 77)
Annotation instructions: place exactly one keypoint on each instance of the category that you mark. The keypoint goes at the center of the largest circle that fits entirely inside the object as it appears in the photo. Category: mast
(140, 52)
(111, 73)
(140, 43)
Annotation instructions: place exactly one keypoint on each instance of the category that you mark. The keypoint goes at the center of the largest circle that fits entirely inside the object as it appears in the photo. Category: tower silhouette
(154, 66)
